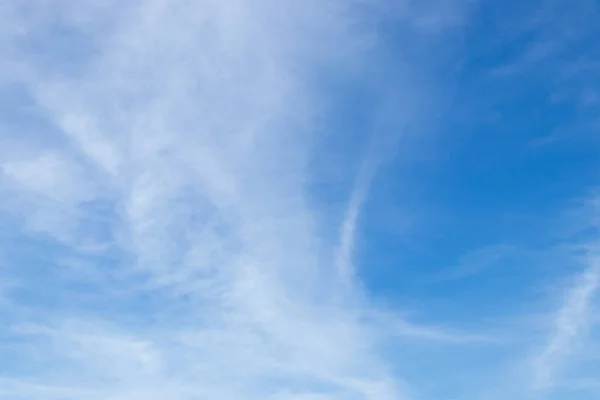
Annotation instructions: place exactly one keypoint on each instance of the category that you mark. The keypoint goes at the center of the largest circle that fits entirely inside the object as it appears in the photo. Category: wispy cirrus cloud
(574, 318)
(154, 162)
(572, 321)
(160, 239)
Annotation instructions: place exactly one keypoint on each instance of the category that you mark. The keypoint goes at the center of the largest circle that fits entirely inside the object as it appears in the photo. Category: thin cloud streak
(572, 320)
(570, 324)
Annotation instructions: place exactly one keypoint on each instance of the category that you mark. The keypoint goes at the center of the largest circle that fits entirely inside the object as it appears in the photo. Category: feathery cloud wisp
(572, 320)
(161, 173)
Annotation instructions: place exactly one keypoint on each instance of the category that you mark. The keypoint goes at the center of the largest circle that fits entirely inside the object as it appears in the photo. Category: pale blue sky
(299, 200)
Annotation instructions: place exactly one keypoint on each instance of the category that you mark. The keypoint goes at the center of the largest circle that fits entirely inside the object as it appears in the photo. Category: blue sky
(299, 200)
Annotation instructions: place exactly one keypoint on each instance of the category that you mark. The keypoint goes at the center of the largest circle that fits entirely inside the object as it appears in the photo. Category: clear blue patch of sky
(507, 164)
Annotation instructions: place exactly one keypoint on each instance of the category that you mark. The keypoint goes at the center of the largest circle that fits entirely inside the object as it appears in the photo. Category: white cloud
(49, 175)
(572, 320)
(188, 124)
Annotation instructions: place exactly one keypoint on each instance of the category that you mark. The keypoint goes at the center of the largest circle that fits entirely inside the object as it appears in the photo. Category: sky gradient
(299, 200)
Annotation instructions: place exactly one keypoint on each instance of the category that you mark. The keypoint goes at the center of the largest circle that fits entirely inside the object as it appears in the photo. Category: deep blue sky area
(516, 148)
